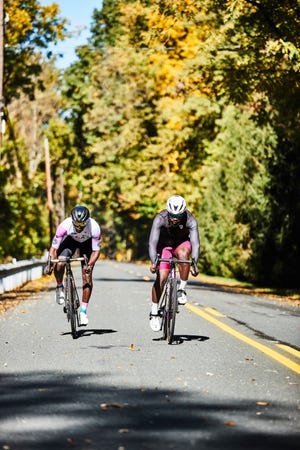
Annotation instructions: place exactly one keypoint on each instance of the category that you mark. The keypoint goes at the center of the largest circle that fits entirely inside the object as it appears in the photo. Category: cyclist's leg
(161, 278)
(183, 251)
(85, 248)
(65, 249)
(157, 288)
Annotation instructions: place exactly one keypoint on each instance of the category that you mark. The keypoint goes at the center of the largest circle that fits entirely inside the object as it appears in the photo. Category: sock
(59, 284)
(182, 285)
(154, 308)
(83, 307)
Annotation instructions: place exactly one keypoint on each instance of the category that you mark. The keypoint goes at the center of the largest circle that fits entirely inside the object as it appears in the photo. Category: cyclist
(79, 231)
(174, 232)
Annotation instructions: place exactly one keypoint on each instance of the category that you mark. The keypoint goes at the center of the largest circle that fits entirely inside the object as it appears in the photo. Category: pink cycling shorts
(168, 252)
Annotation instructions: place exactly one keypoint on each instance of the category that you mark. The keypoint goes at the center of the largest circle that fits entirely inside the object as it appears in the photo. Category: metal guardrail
(15, 274)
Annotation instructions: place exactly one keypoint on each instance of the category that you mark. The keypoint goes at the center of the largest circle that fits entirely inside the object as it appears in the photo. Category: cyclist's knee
(183, 253)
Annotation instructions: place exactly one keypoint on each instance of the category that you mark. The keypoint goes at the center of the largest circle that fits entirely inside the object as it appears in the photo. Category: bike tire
(164, 324)
(72, 308)
(172, 311)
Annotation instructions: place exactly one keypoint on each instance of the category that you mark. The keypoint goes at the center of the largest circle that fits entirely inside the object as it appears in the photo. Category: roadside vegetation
(199, 98)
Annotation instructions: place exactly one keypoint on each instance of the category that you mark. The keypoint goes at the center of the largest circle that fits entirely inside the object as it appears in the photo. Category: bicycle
(72, 303)
(168, 302)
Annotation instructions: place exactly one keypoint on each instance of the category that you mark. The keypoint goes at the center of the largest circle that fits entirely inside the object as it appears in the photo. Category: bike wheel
(171, 311)
(163, 309)
(72, 306)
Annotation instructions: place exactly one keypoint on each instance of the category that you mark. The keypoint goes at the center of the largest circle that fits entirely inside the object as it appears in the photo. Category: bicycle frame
(72, 302)
(168, 302)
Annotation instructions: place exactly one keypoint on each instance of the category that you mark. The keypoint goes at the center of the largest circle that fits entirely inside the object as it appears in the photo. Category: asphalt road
(229, 381)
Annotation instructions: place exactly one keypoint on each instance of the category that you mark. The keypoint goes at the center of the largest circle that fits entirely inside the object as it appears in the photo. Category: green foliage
(29, 29)
(235, 215)
(195, 97)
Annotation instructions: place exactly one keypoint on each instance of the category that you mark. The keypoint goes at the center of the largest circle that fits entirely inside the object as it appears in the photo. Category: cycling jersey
(66, 229)
(164, 233)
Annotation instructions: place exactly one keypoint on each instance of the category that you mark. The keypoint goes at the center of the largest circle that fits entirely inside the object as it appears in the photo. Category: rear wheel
(171, 311)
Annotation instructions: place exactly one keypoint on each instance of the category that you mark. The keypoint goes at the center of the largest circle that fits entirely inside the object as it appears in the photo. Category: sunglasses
(175, 216)
(79, 224)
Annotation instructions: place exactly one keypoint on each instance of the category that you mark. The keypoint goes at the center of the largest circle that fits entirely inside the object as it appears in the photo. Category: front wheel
(171, 311)
(72, 306)
(163, 309)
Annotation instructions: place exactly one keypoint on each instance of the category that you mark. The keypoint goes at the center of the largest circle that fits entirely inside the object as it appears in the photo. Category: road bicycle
(72, 303)
(168, 302)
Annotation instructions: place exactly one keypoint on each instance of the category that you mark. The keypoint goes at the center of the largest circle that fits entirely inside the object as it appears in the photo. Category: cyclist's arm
(60, 234)
(93, 258)
(195, 239)
(53, 253)
(96, 246)
(153, 239)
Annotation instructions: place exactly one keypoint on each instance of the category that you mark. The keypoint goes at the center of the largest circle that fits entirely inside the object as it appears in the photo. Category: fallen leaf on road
(111, 405)
(230, 423)
(131, 347)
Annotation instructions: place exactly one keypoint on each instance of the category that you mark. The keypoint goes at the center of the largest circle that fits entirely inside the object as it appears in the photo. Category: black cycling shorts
(69, 246)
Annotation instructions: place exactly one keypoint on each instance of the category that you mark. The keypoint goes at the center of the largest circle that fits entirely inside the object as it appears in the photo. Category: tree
(154, 93)
(29, 29)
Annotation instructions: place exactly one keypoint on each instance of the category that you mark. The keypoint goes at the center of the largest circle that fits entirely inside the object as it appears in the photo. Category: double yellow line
(210, 312)
(263, 348)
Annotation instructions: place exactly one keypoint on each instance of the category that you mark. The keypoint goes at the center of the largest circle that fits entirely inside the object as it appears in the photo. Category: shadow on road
(89, 332)
(184, 338)
(53, 410)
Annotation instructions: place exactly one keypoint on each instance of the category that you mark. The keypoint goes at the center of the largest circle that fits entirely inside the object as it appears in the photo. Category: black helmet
(80, 214)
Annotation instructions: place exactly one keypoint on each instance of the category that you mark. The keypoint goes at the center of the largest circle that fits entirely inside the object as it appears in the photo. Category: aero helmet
(80, 215)
(176, 205)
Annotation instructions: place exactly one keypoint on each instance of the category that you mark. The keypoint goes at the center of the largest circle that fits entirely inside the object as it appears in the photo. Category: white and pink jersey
(66, 228)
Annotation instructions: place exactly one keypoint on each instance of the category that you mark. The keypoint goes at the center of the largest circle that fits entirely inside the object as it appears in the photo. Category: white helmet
(176, 205)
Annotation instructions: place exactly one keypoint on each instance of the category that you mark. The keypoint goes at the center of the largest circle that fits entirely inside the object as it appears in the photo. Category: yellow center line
(214, 312)
(263, 348)
(289, 349)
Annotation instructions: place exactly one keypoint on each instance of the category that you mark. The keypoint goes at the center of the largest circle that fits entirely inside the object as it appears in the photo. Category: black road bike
(72, 302)
(168, 302)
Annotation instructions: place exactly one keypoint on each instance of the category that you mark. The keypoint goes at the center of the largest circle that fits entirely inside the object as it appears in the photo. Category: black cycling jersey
(166, 234)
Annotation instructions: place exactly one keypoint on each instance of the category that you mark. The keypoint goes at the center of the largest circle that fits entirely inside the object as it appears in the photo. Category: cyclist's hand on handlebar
(48, 269)
(88, 269)
(194, 270)
(153, 268)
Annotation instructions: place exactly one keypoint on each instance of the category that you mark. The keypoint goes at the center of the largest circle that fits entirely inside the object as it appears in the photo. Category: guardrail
(15, 274)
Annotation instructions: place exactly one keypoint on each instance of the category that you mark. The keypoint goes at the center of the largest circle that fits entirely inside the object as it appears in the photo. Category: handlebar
(174, 261)
(68, 259)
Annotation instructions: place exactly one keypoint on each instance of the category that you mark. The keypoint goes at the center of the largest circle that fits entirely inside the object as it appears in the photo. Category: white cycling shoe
(181, 295)
(155, 322)
(83, 319)
(60, 295)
